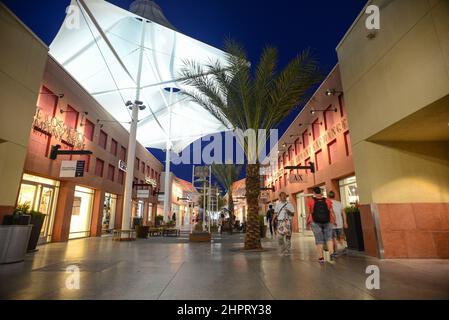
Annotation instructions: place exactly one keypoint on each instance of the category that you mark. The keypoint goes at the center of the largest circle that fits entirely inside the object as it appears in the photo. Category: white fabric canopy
(110, 75)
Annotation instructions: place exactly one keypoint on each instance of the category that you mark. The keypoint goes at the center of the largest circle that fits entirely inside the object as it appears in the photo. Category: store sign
(58, 129)
(72, 169)
(202, 172)
(160, 198)
(143, 194)
(122, 165)
(150, 181)
(323, 140)
(297, 178)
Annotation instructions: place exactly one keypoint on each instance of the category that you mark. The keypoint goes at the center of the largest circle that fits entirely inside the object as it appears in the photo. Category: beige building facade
(22, 63)
(396, 84)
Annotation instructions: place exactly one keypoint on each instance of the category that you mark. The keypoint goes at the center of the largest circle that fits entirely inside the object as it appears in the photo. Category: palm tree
(243, 99)
(227, 174)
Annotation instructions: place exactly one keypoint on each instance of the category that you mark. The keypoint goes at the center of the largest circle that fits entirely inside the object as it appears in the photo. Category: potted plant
(158, 220)
(354, 233)
(15, 235)
(263, 227)
(37, 220)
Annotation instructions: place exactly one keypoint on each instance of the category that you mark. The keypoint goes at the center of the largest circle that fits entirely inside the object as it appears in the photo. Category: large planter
(200, 237)
(37, 222)
(14, 242)
(17, 219)
(142, 231)
(354, 233)
(263, 231)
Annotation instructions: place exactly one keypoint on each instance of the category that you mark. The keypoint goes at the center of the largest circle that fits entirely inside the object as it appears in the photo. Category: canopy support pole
(127, 207)
(167, 195)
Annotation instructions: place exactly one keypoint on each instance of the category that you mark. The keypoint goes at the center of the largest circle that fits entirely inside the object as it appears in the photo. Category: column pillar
(63, 214)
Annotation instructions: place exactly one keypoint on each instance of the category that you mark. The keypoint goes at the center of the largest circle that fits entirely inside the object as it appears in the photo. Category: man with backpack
(321, 217)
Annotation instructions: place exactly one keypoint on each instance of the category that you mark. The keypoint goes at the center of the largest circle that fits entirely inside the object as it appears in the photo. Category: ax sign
(297, 178)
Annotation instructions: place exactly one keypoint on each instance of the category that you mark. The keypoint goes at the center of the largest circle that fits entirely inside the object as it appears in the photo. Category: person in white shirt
(340, 222)
(283, 213)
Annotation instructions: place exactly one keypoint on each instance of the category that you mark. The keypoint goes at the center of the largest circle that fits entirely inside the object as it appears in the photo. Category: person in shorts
(283, 214)
(340, 223)
(321, 218)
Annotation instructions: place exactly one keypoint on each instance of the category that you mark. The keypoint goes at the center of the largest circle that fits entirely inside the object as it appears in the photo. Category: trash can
(14, 242)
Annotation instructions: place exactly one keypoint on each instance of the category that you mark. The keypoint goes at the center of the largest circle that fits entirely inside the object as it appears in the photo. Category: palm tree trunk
(231, 211)
(252, 236)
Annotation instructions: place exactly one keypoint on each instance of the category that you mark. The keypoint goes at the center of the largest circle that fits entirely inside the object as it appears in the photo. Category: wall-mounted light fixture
(332, 92)
(311, 124)
(313, 111)
(59, 95)
(73, 111)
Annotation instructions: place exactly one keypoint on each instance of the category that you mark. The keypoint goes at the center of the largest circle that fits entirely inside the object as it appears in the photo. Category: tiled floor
(176, 269)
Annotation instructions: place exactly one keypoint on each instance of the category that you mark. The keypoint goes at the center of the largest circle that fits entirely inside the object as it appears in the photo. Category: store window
(329, 117)
(142, 167)
(305, 139)
(348, 143)
(297, 146)
(99, 166)
(316, 129)
(71, 117)
(47, 102)
(348, 191)
(81, 213)
(111, 172)
(109, 208)
(89, 129)
(332, 151)
(121, 177)
(341, 103)
(41, 195)
(103, 140)
(114, 147)
(307, 163)
(319, 160)
(122, 153)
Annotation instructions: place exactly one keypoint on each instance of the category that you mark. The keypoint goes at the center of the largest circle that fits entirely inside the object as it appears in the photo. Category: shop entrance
(41, 195)
(81, 213)
(110, 204)
(348, 191)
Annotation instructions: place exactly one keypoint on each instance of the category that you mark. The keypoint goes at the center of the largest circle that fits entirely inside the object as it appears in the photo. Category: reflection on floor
(171, 268)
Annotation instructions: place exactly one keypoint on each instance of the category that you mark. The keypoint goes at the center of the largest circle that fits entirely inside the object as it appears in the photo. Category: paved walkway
(161, 268)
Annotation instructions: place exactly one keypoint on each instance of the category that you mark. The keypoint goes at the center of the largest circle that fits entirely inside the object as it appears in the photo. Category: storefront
(348, 191)
(41, 195)
(109, 210)
(319, 136)
(80, 222)
(87, 202)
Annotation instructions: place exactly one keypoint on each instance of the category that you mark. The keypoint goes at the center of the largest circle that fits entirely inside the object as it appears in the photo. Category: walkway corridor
(161, 268)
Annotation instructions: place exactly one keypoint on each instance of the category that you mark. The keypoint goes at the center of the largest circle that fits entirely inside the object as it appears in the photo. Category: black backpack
(321, 212)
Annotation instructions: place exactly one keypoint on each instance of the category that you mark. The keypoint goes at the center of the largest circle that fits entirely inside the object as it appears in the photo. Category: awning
(102, 52)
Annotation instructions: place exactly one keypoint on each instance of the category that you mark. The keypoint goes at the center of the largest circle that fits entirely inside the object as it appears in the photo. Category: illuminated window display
(348, 191)
(81, 213)
(41, 194)
(109, 208)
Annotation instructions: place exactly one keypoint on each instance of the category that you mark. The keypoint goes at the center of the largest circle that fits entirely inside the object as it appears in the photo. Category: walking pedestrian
(340, 223)
(283, 213)
(270, 214)
(321, 217)
(221, 222)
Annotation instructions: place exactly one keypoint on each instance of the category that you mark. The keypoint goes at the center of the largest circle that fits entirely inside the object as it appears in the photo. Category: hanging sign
(122, 165)
(297, 178)
(143, 194)
(72, 169)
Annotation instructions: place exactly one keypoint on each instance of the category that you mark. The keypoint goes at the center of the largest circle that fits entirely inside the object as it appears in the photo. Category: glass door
(81, 213)
(109, 208)
(41, 195)
(301, 211)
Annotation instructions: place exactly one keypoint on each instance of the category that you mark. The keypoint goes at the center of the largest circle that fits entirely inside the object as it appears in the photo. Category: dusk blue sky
(290, 25)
